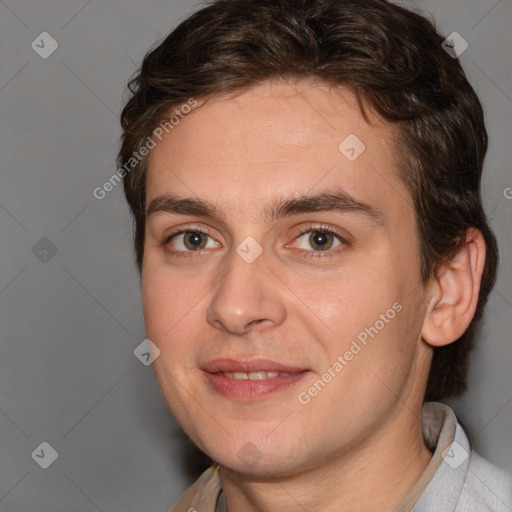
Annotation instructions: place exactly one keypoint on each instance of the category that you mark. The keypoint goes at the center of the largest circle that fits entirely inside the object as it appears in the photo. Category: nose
(247, 297)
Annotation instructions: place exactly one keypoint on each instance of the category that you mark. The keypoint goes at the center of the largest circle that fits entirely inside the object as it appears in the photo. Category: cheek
(175, 320)
(168, 305)
(369, 327)
(347, 303)
(155, 303)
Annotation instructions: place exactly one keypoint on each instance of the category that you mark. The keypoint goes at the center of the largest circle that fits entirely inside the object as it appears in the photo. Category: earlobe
(455, 292)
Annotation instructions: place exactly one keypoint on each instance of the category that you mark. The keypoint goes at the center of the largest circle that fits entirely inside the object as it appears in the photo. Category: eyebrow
(338, 200)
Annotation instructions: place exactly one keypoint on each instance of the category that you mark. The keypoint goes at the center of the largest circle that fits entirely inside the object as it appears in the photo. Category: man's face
(263, 293)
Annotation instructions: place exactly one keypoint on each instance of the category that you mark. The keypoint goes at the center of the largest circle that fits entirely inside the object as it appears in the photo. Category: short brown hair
(392, 59)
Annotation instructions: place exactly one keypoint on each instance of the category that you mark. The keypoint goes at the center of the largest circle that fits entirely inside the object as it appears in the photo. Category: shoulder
(463, 480)
(487, 488)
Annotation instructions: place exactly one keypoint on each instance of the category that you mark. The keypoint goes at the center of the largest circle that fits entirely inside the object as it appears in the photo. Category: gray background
(69, 325)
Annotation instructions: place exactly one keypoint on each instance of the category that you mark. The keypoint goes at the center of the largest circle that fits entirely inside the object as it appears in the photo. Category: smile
(250, 379)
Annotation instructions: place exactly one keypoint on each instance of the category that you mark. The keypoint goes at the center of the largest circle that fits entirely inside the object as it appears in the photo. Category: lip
(248, 365)
(249, 390)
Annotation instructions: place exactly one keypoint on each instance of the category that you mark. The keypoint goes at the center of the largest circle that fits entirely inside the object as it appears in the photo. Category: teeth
(261, 375)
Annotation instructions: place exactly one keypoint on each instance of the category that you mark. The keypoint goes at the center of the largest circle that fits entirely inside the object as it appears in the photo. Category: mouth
(259, 375)
(250, 379)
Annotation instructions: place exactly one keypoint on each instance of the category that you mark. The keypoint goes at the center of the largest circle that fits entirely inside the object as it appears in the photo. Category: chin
(255, 455)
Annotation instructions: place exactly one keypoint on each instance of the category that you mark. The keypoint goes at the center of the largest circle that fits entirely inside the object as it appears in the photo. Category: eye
(186, 241)
(318, 240)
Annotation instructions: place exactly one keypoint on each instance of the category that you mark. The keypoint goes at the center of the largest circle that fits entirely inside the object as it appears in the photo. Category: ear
(454, 293)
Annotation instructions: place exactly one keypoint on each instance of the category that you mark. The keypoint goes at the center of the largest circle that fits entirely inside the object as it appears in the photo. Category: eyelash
(311, 229)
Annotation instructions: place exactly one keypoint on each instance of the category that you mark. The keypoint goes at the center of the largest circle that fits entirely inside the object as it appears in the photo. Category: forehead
(278, 140)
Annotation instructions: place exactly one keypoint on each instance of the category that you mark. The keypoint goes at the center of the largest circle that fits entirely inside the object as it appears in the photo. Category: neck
(375, 475)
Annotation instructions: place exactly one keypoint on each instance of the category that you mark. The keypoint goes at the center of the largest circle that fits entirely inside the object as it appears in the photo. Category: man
(304, 179)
